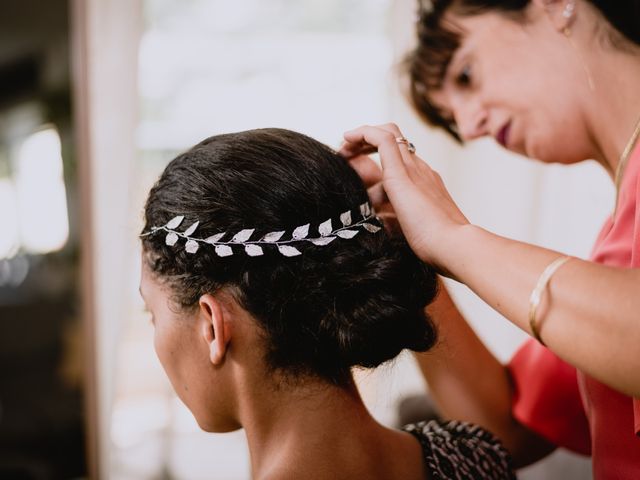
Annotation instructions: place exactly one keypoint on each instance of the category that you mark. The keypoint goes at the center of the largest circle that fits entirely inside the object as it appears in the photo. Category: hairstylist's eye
(463, 78)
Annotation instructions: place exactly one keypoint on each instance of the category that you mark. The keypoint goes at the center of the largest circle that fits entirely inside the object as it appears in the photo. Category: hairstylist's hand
(427, 214)
(371, 174)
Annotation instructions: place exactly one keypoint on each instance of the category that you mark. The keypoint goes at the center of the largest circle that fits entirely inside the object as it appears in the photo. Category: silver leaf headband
(253, 248)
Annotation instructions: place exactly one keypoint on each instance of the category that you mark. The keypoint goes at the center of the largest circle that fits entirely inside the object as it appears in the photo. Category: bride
(269, 278)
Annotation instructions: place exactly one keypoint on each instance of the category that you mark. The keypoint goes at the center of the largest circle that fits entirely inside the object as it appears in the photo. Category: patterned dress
(459, 450)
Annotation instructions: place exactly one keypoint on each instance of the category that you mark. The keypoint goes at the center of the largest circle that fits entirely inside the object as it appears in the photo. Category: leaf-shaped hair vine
(255, 248)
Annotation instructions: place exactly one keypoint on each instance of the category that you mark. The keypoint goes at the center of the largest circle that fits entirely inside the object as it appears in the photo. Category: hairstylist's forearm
(464, 377)
(589, 312)
(469, 383)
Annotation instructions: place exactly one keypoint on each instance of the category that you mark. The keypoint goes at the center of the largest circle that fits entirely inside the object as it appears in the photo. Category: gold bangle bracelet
(536, 294)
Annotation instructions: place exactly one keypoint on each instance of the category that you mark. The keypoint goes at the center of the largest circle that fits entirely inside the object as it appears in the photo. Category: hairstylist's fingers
(369, 171)
(403, 143)
(391, 158)
(408, 153)
(377, 195)
(350, 150)
(407, 150)
(391, 127)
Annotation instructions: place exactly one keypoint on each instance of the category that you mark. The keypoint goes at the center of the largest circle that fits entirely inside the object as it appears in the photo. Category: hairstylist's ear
(215, 327)
(561, 13)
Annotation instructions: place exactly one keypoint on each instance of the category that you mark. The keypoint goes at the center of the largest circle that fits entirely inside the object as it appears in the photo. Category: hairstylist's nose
(472, 121)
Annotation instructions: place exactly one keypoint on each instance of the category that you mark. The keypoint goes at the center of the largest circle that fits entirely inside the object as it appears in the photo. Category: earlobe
(215, 330)
(561, 13)
(568, 16)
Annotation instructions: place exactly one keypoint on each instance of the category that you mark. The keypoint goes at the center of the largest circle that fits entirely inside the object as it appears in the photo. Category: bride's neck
(295, 429)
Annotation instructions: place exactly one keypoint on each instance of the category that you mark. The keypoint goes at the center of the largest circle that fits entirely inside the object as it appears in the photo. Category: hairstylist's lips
(502, 137)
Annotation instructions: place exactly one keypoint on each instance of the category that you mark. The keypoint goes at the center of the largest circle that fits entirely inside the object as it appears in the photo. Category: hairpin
(253, 248)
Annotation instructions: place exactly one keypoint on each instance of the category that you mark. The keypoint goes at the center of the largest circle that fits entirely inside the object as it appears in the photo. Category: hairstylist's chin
(535, 151)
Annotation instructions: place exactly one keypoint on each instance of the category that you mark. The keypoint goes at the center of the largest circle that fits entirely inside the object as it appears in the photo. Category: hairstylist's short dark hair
(427, 64)
(356, 302)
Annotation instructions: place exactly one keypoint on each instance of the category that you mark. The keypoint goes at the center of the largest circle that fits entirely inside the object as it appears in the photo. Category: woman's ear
(215, 327)
(561, 13)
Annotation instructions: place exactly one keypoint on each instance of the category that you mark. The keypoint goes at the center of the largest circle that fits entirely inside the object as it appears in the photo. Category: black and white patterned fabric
(459, 450)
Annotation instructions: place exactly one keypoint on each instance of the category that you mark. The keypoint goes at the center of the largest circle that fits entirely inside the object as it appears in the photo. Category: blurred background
(96, 96)
(41, 378)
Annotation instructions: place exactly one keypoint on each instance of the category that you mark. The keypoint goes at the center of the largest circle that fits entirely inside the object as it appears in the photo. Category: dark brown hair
(356, 302)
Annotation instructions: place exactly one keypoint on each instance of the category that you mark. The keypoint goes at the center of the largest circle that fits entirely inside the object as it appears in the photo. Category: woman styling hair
(268, 278)
(557, 81)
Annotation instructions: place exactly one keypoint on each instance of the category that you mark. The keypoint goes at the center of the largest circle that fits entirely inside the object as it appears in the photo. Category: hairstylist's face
(518, 82)
(183, 348)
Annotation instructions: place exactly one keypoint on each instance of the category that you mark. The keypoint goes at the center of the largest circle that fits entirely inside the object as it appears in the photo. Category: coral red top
(568, 407)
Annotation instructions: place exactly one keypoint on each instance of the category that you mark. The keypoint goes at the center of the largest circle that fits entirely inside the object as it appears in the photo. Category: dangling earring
(567, 13)
(568, 10)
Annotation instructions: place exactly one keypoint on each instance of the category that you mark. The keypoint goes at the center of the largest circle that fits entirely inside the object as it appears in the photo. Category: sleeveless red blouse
(568, 407)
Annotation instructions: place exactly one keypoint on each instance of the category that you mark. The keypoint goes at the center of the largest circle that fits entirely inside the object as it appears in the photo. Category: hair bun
(357, 301)
(358, 305)
(380, 299)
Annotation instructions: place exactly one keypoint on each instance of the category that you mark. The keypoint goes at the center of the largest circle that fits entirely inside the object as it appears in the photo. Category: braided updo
(356, 302)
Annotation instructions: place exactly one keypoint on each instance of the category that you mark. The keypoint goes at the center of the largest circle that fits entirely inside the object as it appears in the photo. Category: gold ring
(410, 146)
